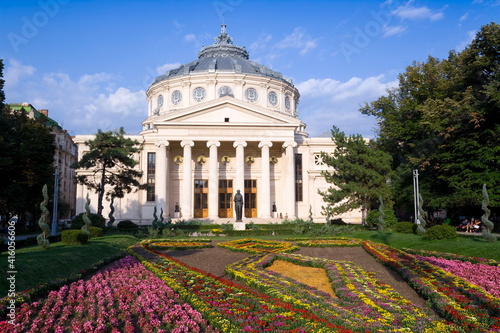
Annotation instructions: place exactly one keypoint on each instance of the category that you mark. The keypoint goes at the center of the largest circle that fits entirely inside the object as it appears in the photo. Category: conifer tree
(360, 174)
(110, 165)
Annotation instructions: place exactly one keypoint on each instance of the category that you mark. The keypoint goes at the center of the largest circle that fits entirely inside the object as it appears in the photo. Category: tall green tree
(360, 174)
(110, 166)
(26, 161)
(444, 120)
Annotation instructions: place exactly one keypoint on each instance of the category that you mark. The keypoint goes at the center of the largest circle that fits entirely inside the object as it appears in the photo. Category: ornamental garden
(151, 288)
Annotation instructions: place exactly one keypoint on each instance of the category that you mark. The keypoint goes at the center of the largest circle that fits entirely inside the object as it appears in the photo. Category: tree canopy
(444, 120)
(26, 161)
(111, 166)
(360, 174)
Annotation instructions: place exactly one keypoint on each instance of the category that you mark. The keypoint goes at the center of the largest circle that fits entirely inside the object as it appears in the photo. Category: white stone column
(265, 182)
(239, 182)
(187, 181)
(213, 180)
(161, 178)
(289, 188)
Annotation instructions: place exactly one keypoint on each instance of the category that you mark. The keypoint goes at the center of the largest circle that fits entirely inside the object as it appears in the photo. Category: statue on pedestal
(238, 205)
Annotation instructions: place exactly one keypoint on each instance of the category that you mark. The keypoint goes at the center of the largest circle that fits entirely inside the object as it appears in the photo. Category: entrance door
(250, 198)
(200, 198)
(225, 198)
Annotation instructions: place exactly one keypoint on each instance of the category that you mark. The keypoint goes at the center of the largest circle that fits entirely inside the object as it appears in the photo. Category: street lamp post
(56, 200)
(416, 195)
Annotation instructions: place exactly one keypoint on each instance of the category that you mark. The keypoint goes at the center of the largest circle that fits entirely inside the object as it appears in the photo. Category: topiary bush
(96, 232)
(404, 227)
(74, 237)
(389, 218)
(97, 221)
(127, 224)
(442, 231)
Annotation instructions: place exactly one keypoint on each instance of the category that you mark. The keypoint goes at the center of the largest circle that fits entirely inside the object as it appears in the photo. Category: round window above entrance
(273, 98)
(199, 94)
(251, 95)
(225, 91)
(176, 97)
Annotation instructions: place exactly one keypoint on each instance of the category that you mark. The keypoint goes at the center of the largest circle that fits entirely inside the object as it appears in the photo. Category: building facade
(66, 153)
(216, 125)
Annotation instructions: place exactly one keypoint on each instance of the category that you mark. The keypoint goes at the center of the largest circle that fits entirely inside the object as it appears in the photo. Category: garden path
(214, 260)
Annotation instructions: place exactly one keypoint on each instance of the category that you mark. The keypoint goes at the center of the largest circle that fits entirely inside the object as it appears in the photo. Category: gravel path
(214, 260)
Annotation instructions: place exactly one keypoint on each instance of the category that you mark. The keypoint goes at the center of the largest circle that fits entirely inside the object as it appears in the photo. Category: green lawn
(35, 266)
(467, 246)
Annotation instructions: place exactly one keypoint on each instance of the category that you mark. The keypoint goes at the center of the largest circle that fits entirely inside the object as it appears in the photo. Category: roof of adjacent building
(49, 122)
(223, 56)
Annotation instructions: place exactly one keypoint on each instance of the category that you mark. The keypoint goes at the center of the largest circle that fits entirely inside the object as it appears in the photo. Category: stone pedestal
(239, 226)
(177, 215)
(274, 215)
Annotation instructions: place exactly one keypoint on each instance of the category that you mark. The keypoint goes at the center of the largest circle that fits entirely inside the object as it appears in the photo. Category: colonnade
(162, 181)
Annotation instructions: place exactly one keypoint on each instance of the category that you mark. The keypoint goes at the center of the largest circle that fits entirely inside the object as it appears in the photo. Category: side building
(66, 153)
(220, 124)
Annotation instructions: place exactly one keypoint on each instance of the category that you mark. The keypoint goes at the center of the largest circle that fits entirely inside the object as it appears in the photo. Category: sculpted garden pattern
(157, 293)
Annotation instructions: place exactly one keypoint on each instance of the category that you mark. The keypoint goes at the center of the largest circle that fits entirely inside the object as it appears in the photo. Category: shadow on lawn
(382, 237)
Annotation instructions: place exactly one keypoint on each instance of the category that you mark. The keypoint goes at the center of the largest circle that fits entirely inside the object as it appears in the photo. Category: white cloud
(468, 39)
(166, 67)
(262, 42)
(298, 39)
(82, 105)
(327, 102)
(16, 71)
(393, 30)
(190, 38)
(410, 12)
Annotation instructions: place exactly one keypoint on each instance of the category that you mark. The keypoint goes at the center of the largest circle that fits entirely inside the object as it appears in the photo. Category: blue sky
(89, 62)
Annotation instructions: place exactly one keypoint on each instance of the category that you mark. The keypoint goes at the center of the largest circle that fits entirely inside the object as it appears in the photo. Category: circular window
(251, 95)
(225, 91)
(287, 101)
(273, 98)
(176, 97)
(199, 94)
(160, 100)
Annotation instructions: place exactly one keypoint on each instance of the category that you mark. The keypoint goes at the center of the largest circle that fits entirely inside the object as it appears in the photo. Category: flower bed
(125, 297)
(362, 302)
(340, 241)
(231, 307)
(251, 245)
(454, 298)
(453, 256)
(484, 276)
(171, 245)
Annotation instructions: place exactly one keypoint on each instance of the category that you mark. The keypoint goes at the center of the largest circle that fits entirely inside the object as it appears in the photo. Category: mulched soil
(214, 260)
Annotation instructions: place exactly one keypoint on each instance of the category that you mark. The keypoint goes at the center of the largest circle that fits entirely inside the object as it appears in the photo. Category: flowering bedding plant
(484, 276)
(228, 306)
(125, 297)
(251, 245)
(452, 297)
(171, 245)
(453, 256)
(362, 303)
(340, 241)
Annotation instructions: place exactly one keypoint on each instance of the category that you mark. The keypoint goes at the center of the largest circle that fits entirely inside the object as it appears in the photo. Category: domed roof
(222, 56)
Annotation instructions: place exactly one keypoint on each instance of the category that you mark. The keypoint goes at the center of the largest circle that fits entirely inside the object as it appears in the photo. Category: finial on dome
(223, 38)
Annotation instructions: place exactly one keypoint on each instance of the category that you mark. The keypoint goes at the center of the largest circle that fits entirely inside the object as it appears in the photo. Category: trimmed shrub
(404, 227)
(389, 218)
(74, 237)
(127, 224)
(97, 221)
(441, 231)
(96, 232)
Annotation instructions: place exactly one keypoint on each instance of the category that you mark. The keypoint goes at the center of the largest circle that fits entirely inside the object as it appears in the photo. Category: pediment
(226, 110)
